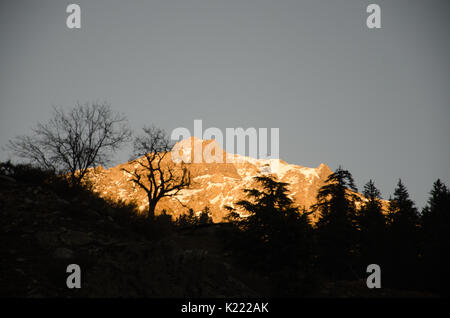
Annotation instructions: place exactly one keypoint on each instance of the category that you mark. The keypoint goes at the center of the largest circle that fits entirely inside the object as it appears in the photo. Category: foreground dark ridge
(45, 227)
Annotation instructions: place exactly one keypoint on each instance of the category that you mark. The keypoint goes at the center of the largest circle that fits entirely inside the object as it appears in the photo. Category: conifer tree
(372, 226)
(275, 232)
(336, 229)
(436, 238)
(403, 238)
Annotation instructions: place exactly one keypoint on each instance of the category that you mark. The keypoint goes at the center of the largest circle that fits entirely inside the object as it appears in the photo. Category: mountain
(212, 184)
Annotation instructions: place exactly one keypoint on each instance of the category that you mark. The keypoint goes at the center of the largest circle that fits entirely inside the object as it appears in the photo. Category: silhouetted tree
(274, 231)
(205, 216)
(187, 219)
(402, 211)
(335, 228)
(191, 219)
(372, 227)
(403, 238)
(155, 172)
(73, 141)
(436, 238)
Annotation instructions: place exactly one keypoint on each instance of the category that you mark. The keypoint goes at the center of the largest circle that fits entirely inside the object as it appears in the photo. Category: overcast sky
(374, 101)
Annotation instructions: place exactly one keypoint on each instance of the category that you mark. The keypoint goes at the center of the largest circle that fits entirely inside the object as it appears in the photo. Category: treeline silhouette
(276, 240)
(352, 232)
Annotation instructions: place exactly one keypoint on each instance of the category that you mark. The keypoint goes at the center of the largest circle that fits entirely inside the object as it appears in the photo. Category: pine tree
(188, 219)
(403, 238)
(402, 211)
(336, 229)
(205, 217)
(372, 226)
(438, 202)
(436, 238)
(276, 234)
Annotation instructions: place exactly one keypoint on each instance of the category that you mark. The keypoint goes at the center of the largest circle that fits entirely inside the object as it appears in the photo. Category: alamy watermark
(73, 20)
(255, 142)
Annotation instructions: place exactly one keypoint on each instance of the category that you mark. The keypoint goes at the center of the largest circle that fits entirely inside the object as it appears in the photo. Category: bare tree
(71, 142)
(155, 172)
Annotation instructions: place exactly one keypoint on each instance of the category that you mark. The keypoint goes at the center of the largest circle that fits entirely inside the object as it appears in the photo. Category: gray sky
(375, 101)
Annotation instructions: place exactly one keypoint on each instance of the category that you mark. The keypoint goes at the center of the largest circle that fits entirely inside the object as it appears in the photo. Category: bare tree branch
(163, 178)
(73, 141)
